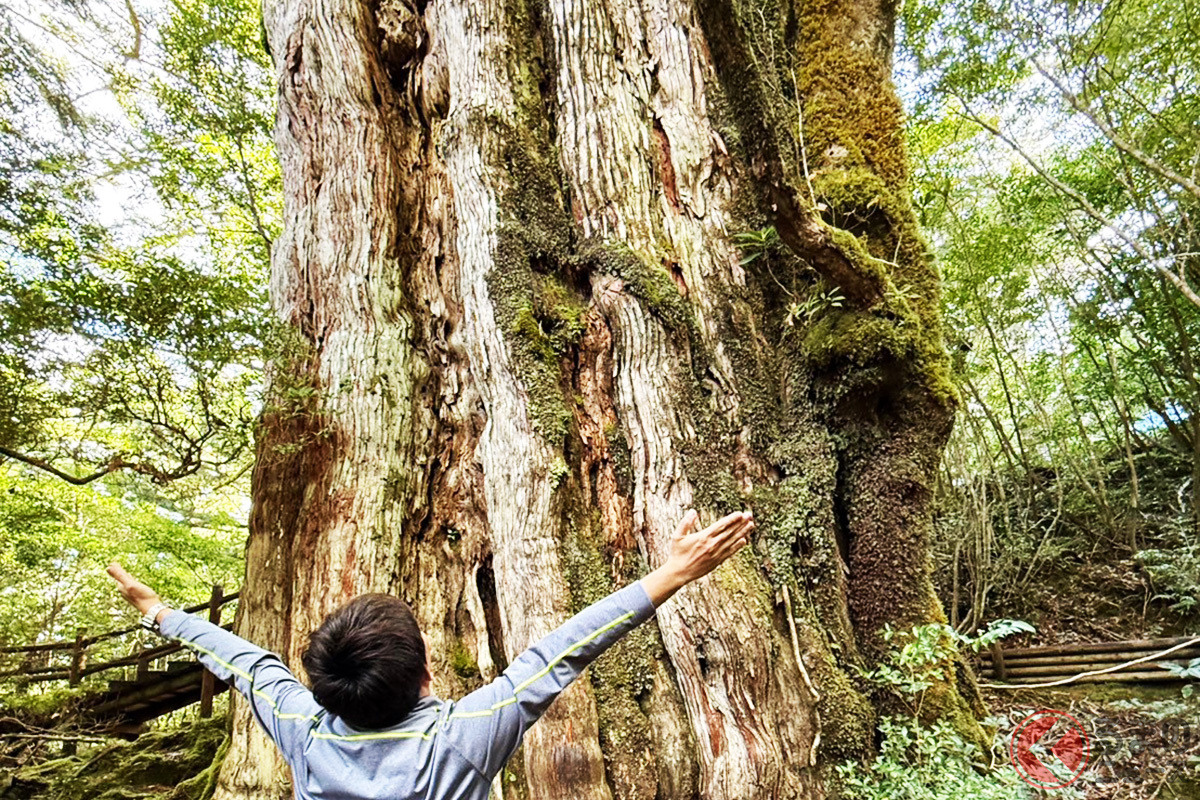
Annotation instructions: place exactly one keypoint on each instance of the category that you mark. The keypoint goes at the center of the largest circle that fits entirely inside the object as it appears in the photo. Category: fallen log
(1092, 658)
(1068, 670)
(1091, 661)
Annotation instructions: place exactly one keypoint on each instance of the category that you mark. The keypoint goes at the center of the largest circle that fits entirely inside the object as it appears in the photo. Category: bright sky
(85, 51)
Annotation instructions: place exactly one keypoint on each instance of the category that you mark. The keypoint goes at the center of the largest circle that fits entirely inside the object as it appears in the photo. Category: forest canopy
(1055, 147)
(139, 194)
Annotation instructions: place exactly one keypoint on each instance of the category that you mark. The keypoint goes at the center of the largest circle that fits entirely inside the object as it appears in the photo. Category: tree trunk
(520, 342)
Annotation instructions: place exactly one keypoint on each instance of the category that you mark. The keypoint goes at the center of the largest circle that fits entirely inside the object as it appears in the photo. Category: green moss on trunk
(853, 129)
(806, 84)
(540, 316)
(847, 717)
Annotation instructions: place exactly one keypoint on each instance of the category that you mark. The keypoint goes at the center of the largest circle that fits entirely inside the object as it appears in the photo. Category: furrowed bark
(718, 631)
(343, 462)
(520, 343)
(516, 459)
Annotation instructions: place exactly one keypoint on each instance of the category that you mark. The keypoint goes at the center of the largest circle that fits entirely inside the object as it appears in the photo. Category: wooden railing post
(69, 747)
(208, 681)
(74, 652)
(77, 653)
(998, 667)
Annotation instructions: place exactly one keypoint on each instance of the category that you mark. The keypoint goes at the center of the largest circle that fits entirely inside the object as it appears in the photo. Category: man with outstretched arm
(369, 727)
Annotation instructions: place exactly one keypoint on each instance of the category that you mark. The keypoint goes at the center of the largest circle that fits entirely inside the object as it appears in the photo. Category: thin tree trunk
(521, 345)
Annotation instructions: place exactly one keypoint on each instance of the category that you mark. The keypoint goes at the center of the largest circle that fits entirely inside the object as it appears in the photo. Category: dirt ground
(1143, 743)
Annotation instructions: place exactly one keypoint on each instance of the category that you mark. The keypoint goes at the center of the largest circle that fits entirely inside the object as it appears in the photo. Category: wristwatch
(149, 620)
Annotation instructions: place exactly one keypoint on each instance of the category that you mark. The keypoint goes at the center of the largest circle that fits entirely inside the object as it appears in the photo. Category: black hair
(366, 661)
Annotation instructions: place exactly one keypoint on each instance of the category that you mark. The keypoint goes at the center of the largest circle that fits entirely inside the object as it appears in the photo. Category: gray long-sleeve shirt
(442, 749)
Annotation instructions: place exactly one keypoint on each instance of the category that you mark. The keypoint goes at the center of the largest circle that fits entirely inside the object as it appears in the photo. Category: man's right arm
(487, 725)
(280, 703)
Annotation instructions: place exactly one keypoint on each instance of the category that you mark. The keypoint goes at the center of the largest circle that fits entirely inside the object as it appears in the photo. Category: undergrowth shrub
(918, 762)
(927, 763)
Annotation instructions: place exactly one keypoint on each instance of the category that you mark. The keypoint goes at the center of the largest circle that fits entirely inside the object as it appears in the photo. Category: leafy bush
(1176, 575)
(1192, 670)
(926, 654)
(929, 763)
(916, 763)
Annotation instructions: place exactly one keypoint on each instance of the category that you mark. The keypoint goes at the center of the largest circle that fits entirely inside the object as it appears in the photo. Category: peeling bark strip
(518, 344)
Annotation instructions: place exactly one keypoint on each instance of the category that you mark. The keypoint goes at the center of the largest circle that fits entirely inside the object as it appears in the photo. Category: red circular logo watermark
(1060, 739)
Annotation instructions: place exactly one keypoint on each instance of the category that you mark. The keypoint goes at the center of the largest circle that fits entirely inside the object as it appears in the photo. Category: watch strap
(149, 620)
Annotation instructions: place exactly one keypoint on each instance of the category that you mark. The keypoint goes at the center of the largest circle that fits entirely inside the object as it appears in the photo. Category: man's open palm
(695, 553)
(139, 595)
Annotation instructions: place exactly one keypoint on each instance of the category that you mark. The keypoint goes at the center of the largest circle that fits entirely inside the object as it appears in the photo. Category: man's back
(408, 761)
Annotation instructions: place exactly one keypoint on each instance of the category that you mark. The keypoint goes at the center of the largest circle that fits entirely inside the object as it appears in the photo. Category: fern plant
(1176, 575)
(812, 306)
(755, 244)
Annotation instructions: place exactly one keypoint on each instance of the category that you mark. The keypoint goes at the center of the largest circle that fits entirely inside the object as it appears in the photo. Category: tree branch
(1173, 278)
(248, 184)
(1158, 168)
(136, 53)
(812, 240)
(45, 466)
(190, 466)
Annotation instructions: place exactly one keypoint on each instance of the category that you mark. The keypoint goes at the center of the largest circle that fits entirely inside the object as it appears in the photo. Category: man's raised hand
(696, 553)
(139, 595)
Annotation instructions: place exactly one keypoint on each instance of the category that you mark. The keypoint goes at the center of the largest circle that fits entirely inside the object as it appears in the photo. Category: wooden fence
(68, 660)
(1090, 663)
